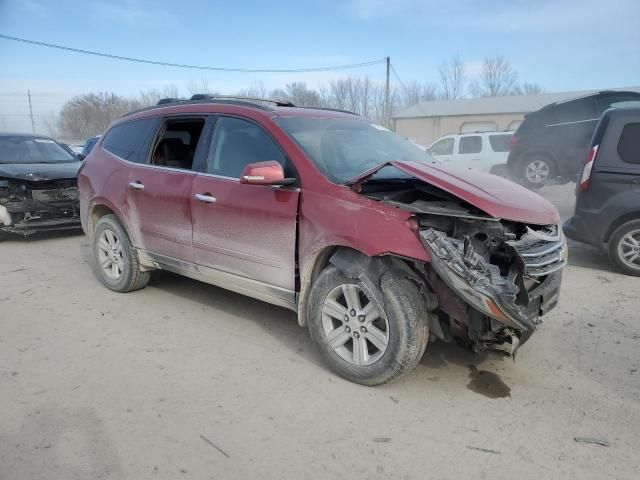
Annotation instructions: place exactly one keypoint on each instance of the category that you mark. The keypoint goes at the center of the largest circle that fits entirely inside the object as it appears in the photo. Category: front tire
(114, 260)
(537, 170)
(359, 342)
(624, 248)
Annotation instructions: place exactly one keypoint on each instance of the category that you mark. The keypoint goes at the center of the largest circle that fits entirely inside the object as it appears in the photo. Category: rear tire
(335, 327)
(624, 248)
(114, 261)
(537, 170)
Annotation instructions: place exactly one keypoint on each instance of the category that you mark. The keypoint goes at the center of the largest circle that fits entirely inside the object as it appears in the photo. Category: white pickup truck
(485, 151)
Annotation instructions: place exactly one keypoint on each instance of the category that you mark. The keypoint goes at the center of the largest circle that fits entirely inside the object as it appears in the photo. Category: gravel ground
(186, 380)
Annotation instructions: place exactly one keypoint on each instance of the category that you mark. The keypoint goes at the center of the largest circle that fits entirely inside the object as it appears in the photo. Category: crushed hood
(494, 195)
(38, 172)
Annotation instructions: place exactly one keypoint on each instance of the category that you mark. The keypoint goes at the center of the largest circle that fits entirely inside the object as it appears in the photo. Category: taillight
(586, 169)
(513, 141)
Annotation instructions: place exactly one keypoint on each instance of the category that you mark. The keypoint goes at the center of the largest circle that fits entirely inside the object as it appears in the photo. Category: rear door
(244, 236)
(469, 152)
(159, 190)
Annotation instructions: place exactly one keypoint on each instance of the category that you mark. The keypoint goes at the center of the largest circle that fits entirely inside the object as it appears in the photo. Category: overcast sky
(561, 45)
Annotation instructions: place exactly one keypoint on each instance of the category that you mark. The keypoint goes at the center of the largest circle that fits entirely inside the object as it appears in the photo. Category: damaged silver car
(38, 185)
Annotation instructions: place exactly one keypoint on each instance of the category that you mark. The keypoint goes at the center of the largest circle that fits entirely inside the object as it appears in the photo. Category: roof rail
(253, 102)
(335, 110)
(207, 96)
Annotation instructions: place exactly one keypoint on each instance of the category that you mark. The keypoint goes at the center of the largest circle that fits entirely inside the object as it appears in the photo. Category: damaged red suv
(377, 248)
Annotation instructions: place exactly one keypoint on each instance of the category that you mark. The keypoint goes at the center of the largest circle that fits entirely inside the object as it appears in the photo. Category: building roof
(493, 105)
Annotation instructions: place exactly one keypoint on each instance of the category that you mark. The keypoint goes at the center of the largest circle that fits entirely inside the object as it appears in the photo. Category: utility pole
(386, 94)
(33, 127)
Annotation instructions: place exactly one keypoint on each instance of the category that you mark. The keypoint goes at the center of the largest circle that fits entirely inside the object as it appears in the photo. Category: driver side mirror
(80, 156)
(264, 173)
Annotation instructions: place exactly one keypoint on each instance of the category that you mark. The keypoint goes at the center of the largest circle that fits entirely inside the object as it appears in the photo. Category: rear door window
(130, 140)
(499, 143)
(442, 147)
(629, 144)
(471, 144)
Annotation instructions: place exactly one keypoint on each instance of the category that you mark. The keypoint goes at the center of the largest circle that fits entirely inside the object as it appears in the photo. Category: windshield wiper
(364, 176)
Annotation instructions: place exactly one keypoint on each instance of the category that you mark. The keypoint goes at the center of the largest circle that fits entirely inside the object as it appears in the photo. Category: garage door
(470, 127)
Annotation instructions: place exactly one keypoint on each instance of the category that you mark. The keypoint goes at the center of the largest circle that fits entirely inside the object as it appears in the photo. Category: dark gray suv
(608, 192)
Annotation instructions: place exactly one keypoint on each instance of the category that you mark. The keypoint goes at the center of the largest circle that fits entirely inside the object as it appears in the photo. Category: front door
(245, 233)
(442, 150)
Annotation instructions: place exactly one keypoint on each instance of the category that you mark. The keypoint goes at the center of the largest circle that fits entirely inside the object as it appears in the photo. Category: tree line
(90, 114)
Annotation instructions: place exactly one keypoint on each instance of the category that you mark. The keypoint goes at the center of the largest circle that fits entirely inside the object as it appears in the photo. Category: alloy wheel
(110, 256)
(353, 326)
(537, 171)
(629, 249)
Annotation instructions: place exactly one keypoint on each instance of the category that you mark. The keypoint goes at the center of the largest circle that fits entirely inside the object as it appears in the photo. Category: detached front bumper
(517, 298)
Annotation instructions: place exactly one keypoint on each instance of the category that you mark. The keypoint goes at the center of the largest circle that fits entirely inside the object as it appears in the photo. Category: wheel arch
(352, 263)
(618, 222)
(99, 209)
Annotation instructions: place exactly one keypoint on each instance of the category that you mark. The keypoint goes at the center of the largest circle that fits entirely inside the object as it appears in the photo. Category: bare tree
(298, 94)
(278, 94)
(198, 86)
(526, 88)
(150, 97)
(256, 89)
(87, 115)
(452, 78)
(50, 124)
(414, 92)
(497, 78)
(339, 93)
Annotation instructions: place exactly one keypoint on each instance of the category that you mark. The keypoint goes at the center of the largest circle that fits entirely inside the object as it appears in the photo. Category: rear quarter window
(629, 144)
(499, 143)
(130, 140)
(574, 111)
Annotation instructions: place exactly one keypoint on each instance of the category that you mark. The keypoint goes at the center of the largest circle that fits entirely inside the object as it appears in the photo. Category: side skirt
(229, 281)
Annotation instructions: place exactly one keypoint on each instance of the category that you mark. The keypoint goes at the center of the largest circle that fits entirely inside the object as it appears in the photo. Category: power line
(193, 67)
(404, 87)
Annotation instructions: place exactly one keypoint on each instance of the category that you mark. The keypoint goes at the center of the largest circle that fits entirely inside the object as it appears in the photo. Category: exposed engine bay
(30, 206)
(493, 279)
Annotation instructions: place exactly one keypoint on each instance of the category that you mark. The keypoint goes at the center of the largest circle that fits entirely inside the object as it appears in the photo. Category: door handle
(475, 158)
(136, 186)
(203, 197)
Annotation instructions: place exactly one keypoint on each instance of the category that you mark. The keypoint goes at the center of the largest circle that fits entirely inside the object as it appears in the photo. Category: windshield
(343, 149)
(25, 150)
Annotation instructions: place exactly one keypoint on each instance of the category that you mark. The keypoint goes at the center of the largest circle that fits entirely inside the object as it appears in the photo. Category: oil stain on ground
(488, 384)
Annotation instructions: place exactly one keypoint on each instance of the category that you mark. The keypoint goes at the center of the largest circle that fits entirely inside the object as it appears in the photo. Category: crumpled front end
(497, 252)
(509, 274)
(27, 207)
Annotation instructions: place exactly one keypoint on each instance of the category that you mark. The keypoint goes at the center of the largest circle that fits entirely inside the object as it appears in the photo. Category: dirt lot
(185, 380)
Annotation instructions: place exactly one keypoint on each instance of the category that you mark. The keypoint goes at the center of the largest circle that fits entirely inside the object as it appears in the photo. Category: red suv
(377, 248)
